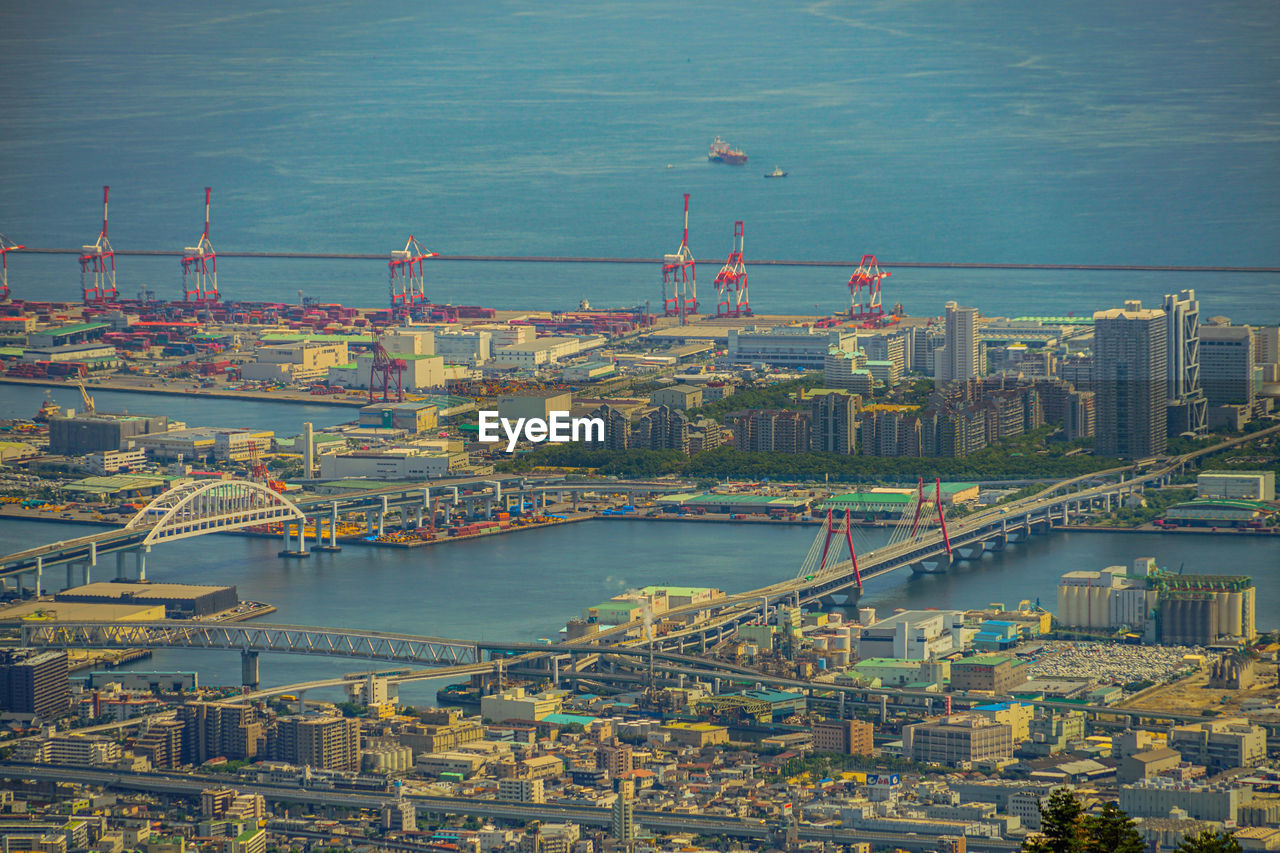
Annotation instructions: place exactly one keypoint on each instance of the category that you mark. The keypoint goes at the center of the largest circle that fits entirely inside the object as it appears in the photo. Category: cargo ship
(723, 152)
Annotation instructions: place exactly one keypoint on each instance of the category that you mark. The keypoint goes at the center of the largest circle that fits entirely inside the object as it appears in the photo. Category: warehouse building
(1242, 485)
(77, 435)
(181, 601)
(788, 346)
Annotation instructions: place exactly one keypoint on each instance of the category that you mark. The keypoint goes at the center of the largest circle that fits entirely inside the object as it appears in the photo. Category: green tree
(1208, 841)
(1111, 831)
(1061, 825)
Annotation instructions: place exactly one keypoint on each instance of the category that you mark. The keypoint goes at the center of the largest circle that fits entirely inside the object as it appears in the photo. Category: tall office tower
(1130, 381)
(833, 422)
(1266, 345)
(1227, 362)
(960, 356)
(1188, 408)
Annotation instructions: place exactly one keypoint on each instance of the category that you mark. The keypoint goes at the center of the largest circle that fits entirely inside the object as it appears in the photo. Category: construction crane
(386, 373)
(867, 278)
(679, 277)
(731, 281)
(6, 246)
(405, 272)
(98, 265)
(200, 265)
(89, 408)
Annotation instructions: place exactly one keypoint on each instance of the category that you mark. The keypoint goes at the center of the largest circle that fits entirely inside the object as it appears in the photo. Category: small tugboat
(48, 410)
(776, 173)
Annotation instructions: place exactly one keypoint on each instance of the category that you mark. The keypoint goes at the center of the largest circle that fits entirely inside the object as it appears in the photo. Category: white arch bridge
(191, 509)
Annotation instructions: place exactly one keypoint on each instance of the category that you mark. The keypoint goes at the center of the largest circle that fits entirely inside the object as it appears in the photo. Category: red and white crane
(679, 277)
(385, 373)
(98, 264)
(200, 265)
(407, 288)
(6, 246)
(864, 284)
(731, 281)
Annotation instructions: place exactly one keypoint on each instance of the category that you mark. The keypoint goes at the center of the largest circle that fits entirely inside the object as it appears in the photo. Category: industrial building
(677, 397)
(1244, 485)
(422, 372)
(412, 417)
(77, 435)
(181, 601)
(301, 361)
(993, 673)
(393, 463)
(538, 405)
(1166, 607)
(1220, 744)
(957, 740)
(915, 635)
(802, 347)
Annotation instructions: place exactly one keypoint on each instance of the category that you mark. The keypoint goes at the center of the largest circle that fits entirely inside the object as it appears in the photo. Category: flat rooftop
(111, 589)
(80, 611)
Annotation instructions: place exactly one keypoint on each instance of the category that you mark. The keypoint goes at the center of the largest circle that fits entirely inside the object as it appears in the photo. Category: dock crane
(6, 246)
(89, 408)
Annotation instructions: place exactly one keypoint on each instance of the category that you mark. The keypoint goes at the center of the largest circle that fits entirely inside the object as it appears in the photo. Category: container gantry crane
(679, 277)
(200, 265)
(98, 265)
(6, 246)
(731, 281)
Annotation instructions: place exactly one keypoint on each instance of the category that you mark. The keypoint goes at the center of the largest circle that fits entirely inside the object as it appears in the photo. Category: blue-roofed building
(994, 636)
(569, 719)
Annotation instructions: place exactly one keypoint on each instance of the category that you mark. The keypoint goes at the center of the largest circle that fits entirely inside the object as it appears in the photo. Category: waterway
(1090, 132)
(525, 586)
(284, 419)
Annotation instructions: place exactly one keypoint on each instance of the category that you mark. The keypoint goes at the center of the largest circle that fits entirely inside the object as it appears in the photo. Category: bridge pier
(140, 558)
(249, 669)
(332, 544)
(301, 551)
(39, 575)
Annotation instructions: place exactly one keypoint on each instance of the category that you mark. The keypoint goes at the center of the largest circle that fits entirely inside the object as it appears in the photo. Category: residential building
(846, 370)
(960, 357)
(521, 790)
(847, 737)
(36, 683)
(770, 430)
(622, 824)
(322, 742)
(833, 421)
(228, 730)
(617, 429)
(662, 429)
(1130, 381)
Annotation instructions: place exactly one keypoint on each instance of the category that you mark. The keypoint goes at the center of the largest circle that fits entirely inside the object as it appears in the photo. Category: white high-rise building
(1187, 404)
(960, 357)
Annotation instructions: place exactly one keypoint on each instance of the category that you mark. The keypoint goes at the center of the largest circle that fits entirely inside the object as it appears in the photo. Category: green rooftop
(71, 329)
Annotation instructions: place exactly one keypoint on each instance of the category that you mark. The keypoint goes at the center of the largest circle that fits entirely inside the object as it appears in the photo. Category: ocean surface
(1090, 132)
(525, 586)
